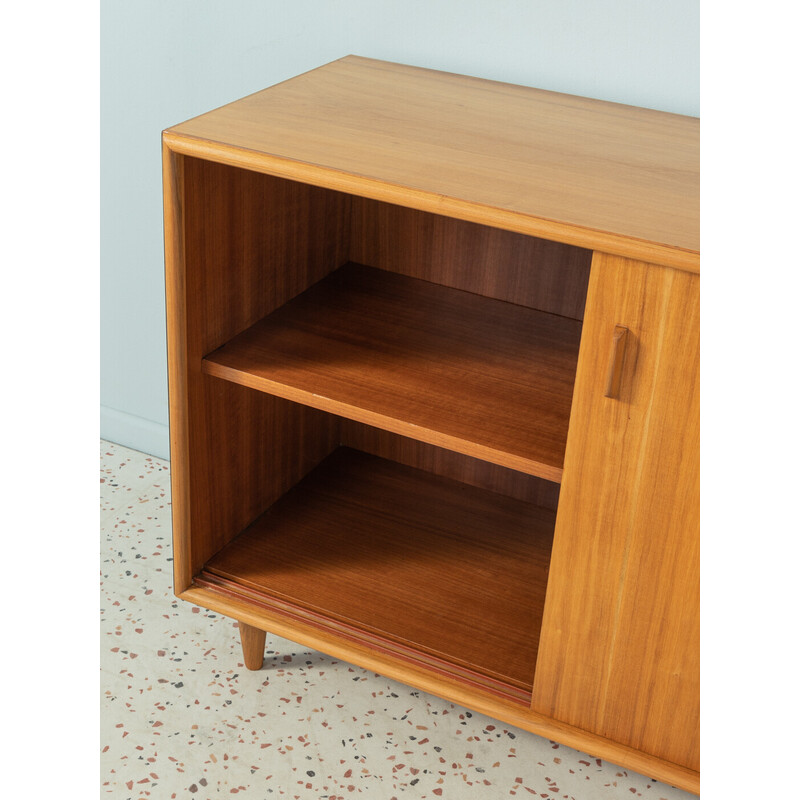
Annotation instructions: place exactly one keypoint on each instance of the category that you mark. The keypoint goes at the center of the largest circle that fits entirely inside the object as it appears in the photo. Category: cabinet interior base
(421, 566)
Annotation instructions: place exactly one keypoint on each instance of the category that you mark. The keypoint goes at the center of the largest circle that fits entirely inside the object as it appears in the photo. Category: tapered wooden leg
(253, 640)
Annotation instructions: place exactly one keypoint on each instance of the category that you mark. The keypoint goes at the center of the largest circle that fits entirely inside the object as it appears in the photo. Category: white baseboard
(134, 432)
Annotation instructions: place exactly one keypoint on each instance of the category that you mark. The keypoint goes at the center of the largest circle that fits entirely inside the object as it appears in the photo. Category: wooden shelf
(423, 566)
(480, 376)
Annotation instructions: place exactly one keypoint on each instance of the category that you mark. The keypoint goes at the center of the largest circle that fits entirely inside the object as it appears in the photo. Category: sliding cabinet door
(619, 651)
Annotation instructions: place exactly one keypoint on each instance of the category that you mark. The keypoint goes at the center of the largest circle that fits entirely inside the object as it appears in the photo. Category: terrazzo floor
(181, 717)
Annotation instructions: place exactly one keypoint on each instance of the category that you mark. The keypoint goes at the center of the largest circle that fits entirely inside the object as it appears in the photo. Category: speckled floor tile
(183, 718)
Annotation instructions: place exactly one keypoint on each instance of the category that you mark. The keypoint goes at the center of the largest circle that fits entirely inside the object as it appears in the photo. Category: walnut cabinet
(433, 375)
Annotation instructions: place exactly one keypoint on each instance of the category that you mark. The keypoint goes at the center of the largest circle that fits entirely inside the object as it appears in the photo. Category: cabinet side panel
(249, 448)
(175, 271)
(251, 242)
(619, 652)
(549, 276)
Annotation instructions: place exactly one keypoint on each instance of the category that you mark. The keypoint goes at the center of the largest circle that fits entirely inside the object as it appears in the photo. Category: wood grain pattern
(598, 175)
(177, 369)
(235, 451)
(253, 643)
(252, 243)
(620, 639)
(619, 341)
(455, 572)
(439, 461)
(254, 448)
(509, 266)
(379, 643)
(442, 685)
(485, 378)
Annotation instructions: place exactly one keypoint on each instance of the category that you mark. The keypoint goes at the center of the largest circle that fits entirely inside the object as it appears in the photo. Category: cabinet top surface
(597, 174)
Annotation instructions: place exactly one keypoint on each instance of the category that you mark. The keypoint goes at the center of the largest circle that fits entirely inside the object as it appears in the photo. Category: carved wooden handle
(618, 346)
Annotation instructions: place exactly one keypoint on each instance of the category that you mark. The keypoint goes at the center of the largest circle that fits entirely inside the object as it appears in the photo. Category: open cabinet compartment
(404, 561)
(377, 402)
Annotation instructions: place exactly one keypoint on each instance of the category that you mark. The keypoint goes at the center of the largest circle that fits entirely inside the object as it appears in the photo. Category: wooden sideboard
(434, 402)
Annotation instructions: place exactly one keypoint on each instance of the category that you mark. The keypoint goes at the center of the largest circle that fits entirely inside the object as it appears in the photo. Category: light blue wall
(163, 61)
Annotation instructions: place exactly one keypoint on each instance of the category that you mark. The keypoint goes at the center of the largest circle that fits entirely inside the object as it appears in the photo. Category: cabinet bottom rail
(442, 685)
